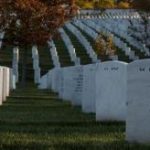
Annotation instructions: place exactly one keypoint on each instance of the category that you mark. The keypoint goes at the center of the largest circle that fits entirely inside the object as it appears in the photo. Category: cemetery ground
(38, 119)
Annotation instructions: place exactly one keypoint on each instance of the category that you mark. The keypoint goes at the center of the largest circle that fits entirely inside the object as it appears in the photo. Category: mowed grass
(38, 120)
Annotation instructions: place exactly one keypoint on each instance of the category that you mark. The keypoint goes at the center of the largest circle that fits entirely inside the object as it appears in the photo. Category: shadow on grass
(68, 123)
(84, 127)
(76, 145)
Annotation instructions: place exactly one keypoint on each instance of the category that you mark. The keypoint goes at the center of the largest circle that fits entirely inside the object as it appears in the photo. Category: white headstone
(15, 62)
(36, 62)
(56, 77)
(12, 80)
(49, 81)
(37, 75)
(77, 85)
(1, 85)
(68, 84)
(138, 111)
(43, 82)
(89, 93)
(111, 91)
(1, 37)
(71, 84)
(34, 51)
(61, 85)
(6, 82)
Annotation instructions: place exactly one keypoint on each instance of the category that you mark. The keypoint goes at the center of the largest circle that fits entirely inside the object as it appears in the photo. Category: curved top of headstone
(139, 62)
(72, 67)
(4, 67)
(89, 65)
(113, 62)
(68, 67)
(141, 66)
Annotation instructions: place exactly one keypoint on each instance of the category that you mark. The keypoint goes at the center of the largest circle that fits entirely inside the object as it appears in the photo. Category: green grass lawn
(37, 120)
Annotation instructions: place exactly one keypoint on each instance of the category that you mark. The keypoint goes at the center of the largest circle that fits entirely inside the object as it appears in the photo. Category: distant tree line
(89, 4)
(125, 4)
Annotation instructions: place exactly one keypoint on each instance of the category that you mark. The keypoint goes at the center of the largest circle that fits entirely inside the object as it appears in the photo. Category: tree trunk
(24, 67)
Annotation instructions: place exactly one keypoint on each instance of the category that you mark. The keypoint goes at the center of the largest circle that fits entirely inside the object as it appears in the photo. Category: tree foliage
(105, 46)
(103, 4)
(141, 5)
(123, 5)
(85, 4)
(30, 22)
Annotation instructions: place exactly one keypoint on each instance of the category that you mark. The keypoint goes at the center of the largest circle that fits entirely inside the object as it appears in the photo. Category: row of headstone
(121, 30)
(117, 41)
(7, 83)
(54, 54)
(131, 40)
(86, 29)
(105, 15)
(92, 33)
(108, 14)
(139, 36)
(121, 39)
(115, 91)
(84, 85)
(65, 79)
(69, 46)
(51, 80)
(86, 44)
(36, 66)
(124, 47)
